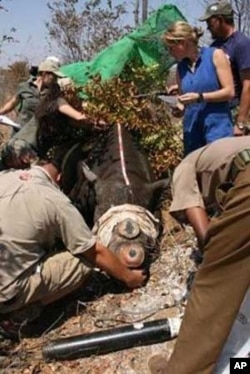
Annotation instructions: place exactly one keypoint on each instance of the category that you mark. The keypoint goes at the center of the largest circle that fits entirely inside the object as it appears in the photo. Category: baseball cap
(217, 9)
(50, 66)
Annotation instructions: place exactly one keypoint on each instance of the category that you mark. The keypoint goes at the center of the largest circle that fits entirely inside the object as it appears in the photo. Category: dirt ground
(103, 304)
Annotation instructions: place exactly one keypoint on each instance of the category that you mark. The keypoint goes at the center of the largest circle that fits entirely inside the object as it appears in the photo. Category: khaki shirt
(29, 97)
(33, 213)
(197, 176)
(29, 131)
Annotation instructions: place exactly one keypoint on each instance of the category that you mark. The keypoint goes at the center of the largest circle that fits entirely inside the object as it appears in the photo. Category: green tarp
(143, 44)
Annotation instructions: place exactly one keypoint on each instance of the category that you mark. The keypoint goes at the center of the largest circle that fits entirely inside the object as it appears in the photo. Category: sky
(29, 17)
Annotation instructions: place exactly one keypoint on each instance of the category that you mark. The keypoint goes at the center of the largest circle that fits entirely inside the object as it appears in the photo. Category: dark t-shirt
(237, 48)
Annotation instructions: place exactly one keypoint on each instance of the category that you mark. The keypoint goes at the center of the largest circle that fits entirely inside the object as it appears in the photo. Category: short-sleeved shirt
(199, 174)
(237, 48)
(29, 132)
(29, 98)
(33, 214)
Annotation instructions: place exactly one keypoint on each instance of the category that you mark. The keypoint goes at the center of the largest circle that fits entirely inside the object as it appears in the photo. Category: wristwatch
(200, 98)
(241, 126)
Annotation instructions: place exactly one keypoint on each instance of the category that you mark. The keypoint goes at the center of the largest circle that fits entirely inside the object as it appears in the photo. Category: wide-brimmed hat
(50, 67)
(217, 9)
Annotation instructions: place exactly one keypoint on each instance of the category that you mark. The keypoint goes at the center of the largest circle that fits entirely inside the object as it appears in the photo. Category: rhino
(117, 193)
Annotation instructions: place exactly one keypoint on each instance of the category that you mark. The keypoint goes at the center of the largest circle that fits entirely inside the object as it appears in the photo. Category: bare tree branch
(80, 29)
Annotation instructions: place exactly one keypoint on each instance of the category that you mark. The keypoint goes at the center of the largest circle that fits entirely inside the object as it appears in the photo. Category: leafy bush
(119, 100)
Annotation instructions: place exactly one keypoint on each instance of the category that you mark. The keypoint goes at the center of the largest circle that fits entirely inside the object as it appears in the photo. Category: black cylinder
(106, 341)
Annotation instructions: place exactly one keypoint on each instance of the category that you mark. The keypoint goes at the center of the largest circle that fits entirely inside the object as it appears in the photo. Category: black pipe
(102, 342)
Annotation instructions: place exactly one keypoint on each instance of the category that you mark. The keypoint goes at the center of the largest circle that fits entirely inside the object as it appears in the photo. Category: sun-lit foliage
(130, 100)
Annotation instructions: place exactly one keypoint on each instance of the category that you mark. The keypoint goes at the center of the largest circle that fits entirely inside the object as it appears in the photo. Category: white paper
(238, 343)
(170, 100)
(8, 122)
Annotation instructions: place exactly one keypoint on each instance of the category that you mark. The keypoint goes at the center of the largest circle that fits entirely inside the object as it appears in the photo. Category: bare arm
(187, 200)
(65, 108)
(245, 96)
(225, 78)
(199, 220)
(10, 105)
(103, 258)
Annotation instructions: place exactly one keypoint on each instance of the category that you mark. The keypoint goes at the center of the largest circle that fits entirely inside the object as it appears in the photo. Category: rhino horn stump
(131, 254)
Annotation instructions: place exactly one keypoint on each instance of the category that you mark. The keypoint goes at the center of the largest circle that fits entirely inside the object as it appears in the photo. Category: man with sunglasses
(220, 22)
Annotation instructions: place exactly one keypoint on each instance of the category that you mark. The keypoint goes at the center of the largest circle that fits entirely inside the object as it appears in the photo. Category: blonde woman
(205, 85)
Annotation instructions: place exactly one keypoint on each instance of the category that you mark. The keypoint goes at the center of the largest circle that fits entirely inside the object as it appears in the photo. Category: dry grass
(104, 305)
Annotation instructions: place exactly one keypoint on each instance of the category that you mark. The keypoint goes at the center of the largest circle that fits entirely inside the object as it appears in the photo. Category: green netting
(143, 44)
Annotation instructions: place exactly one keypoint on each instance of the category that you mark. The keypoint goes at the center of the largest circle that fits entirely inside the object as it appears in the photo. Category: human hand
(189, 98)
(136, 278)
(237, 131)
(173, 89)
(178, 110)
(100, 124)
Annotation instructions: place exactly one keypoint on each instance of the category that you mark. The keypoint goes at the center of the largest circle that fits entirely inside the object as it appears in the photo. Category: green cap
(217, 9)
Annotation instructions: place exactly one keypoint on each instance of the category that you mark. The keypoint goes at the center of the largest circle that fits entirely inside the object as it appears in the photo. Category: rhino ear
(89, 174)
(160, 185)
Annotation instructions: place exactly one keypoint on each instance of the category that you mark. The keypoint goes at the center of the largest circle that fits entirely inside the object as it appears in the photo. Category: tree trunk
(144, 10)
(136, 12)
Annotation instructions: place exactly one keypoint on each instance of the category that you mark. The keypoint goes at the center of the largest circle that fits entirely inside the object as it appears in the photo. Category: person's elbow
(230, 93)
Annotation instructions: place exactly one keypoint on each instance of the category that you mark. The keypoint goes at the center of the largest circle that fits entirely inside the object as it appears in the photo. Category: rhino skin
(116, 173)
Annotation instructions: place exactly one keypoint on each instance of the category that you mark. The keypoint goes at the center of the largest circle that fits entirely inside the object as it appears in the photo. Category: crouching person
(218, 177)
(34, 214)
(17, 154)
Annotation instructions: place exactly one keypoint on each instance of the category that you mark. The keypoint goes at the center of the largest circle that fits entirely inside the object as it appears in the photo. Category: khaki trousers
(220, 284)
(58, 275)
